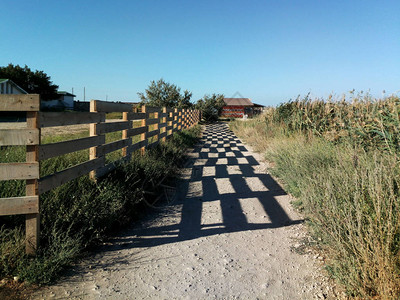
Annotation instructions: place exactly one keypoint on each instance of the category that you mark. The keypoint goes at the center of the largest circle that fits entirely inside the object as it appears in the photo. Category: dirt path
(230, 234)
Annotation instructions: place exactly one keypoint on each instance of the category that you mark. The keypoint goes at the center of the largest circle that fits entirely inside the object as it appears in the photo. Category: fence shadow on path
(222, 175)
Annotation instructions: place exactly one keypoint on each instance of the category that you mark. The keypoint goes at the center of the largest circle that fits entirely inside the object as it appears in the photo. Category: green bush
(210, 107)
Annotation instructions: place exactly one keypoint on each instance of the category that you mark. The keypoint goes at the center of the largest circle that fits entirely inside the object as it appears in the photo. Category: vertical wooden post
(95, 131)
(157, 125)
(175, 122)
(164, 121)
(143, 135)
(32, 221)
(125, 151)
(180, 119)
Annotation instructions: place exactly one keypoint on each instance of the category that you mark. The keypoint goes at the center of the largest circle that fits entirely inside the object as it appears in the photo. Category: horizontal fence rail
(140, 128)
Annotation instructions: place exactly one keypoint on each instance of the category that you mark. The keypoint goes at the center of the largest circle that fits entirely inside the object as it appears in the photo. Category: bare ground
(231, 233)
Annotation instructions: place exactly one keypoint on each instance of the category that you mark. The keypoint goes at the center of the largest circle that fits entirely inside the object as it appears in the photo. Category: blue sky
(269, 51)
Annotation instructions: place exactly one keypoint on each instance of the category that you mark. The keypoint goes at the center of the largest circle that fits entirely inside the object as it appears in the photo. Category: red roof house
(236, 107)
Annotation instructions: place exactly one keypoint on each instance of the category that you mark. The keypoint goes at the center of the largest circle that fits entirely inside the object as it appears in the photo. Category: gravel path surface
(231, 233)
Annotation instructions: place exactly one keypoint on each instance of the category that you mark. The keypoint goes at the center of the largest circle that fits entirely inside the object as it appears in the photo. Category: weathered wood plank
(152, 133)
(162, 125)
(138, 145)
(169, 128)
(152, 121)
(113, 146)
(11, 171)
(94, 130)
(52, 181)
(113, 126)
(104, 106)
(143, 135)
(152, 145)
(50, 119)
(19, 205)
(162, 135)
(153, 109)
(138, 130)
(14, 137)
(111, 166)
(125, 152)
(136, 116)
(56, 149)
(32, 221)
(30, 102)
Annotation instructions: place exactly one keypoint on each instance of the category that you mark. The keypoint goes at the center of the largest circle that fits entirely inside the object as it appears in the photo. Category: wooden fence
(147, 126)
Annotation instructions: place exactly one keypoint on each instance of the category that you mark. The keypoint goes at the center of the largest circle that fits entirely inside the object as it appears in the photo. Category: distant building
(64, 100)
(7, 86)
(239, 107)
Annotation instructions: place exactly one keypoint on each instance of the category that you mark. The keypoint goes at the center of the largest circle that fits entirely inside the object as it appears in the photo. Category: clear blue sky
(269, 51)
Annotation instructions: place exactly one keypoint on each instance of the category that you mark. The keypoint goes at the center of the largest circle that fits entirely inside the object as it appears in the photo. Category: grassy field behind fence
(340, 159)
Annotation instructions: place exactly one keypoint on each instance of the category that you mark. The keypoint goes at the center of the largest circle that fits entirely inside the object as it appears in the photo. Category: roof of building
(65, 93)
(14, 84)
(258, 105)
(238, 102)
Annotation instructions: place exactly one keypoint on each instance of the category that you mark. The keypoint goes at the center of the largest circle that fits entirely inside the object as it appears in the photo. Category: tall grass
(80, 213)
(340, 160)
(363, 121)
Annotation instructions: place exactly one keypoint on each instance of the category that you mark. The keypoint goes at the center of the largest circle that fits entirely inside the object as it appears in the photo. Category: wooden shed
(236, 107)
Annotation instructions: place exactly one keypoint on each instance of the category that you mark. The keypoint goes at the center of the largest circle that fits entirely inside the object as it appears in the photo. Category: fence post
(179, 119)
(175, 120)
(32, 221)
(95, 152)
(171, 122)
(125, 151)
(143, 135)
(157, 125)
(164, 121)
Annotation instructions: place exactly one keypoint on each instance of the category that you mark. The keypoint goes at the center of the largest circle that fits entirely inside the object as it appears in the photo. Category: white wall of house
(9, 88)
(69, 101)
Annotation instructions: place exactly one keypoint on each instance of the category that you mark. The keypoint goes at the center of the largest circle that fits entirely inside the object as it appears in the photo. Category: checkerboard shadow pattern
(228, 176)
(222, 192)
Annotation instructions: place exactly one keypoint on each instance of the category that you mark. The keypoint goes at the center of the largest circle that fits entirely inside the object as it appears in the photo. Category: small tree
(211, 106)
(163, 93)
(37, 82)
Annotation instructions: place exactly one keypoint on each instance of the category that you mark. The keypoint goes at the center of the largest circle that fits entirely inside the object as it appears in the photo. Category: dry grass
(348, 185)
